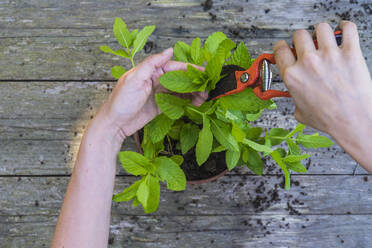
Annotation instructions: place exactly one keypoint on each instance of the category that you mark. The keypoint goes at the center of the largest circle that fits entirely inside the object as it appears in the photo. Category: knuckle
(300, 32)
(310, 59)
(288, 75)
(322, 25)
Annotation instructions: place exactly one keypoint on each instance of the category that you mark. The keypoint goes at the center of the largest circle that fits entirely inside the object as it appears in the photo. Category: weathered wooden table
(54, 78)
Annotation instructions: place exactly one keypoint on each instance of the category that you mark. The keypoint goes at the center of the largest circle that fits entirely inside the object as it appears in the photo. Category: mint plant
(222, 125)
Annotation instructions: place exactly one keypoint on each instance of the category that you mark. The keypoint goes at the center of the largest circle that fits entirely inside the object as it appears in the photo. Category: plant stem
(197, 111)
(131, 60)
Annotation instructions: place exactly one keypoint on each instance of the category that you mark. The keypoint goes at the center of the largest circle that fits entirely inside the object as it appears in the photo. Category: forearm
(85, 215)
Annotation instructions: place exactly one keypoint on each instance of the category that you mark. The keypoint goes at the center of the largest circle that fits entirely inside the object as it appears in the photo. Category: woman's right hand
(331, 86)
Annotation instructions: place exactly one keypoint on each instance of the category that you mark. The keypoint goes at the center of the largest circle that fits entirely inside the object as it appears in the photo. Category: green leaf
(296, 167)
(159, 127)
(312, 141)
(117, 71)
(277, 158)
(178, 159)
(135, 202)
(154, 194)
(277, 135)
(205, 142)
(121, 33)
(222, 133)
(178, 81)
(254, 115)
(256, 146)
(196, 52)
(141, 39)
(299, 128)
(175, 131)
(241, 57)
(171, 106)
(219, 149)
(143, 192)
(134, 163)
(243, 101)
(232, 158)
(188, 137)
(254, 133)
(181, 52)
(223, 50)
(150, 149)
(213, 70)
(212, 43)
(171, 172)
(253, 160)
(295, 158)
(294, 149)
(132, 36)
(128, 193)
(121, 53)
(194, 74)
(237, 133)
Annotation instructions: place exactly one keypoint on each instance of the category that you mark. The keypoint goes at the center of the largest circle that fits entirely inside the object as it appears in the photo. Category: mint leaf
(135, 202)
(253, 133)
(194, 74)
(213, 70)
(223, 50)
(128, 193)
(277, 135)
(175, 131)
(188, 137)
(254, 115)
(295, 158)
(159, 127)
(143, 192)
(121, 32)
(243, 101)
(241, 57)
(150, 149)
(294, 149)
(132, 36)
(154, 194)
(237, 133)
(253, 160)
(196, 52)
(232, 158)
(117, 71)
(277, 158)
(205, 142)
(107, 49)
(296, 167)
(219, 149)
(178, 159)
(141, 39)
(171, 106)
(313, 141)
(256, 146)
(212, 43)
(134, 163)
(299, 128)
(171, 172)
(222, 133)
(178, 81)
(181, 52)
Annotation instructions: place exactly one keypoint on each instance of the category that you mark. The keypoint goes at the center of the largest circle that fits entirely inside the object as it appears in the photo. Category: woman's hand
(331, 86)
(132, 104)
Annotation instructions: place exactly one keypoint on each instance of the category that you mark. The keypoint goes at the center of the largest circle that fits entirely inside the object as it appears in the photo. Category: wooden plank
(205, 231)
(41, 125)
(230, 195)
(34, 41)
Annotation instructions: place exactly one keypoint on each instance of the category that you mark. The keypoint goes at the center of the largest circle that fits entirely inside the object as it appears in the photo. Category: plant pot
(210, 178)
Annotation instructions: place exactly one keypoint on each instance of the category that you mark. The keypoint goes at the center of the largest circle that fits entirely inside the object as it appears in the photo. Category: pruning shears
(258, 77)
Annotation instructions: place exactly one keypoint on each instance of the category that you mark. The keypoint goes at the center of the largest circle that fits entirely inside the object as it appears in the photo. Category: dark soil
(212, 167)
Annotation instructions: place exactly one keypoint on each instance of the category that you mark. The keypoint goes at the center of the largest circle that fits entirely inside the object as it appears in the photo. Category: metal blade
(266, 75)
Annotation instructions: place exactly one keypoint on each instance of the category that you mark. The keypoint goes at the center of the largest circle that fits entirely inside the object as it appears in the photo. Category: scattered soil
(207, 5)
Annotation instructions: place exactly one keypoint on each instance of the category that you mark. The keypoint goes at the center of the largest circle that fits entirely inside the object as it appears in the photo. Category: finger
(303, 42)
(176, 65)
(149, 65)
(283, 56)
(350, 37)
(325, 36)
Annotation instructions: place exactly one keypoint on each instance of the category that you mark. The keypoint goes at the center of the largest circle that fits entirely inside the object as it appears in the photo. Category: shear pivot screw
(244, 77)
